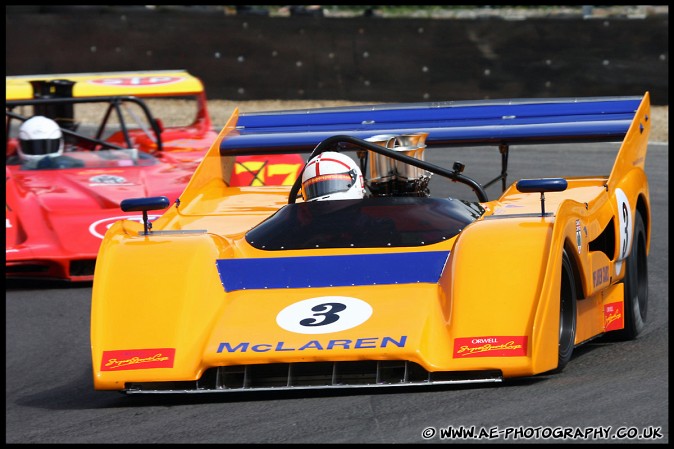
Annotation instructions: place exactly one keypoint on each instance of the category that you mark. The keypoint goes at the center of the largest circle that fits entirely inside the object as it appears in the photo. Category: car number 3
(626, 223)
(626, 228)
(328, 312)
(325, 314)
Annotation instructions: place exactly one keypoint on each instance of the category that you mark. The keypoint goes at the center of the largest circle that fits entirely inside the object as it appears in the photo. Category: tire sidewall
(635, 316)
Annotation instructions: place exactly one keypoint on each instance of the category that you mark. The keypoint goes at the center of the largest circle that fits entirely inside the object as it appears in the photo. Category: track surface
(50, 398)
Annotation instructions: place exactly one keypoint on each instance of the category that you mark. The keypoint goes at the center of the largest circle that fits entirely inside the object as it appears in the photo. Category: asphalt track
(608, 390)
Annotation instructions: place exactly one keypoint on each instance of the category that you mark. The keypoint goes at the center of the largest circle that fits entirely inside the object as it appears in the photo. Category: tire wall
(354, 59)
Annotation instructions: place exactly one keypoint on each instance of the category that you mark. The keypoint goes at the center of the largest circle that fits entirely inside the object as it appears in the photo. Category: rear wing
(464, 123)
(454, 123)
(84, 85)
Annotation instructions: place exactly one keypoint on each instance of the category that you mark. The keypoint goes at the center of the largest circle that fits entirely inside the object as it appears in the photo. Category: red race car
(59, 207)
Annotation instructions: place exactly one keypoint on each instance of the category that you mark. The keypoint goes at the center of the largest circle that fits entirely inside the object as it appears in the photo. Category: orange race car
(357, 276)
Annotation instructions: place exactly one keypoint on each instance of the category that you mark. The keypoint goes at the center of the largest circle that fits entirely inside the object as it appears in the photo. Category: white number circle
(100, 227)
(324, 315)
(625, 227)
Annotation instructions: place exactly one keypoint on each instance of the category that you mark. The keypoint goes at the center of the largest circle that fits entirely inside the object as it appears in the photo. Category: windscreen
(364, 223)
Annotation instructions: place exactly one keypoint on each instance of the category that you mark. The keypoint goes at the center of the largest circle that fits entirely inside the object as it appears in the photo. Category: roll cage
(61, 110)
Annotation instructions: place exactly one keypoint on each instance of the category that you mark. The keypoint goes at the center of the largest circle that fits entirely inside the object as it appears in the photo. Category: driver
(39, 137)
(41, 145)
(337, 224)
(332, 176)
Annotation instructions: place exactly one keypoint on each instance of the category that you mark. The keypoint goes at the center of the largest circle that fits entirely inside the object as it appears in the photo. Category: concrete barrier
(256, 57)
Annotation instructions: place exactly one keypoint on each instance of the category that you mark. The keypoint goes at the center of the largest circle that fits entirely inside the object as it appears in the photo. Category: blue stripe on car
(331, 271)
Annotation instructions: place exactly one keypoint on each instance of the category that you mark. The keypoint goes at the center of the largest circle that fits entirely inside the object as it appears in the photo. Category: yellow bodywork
(138, 83)
(497, 294)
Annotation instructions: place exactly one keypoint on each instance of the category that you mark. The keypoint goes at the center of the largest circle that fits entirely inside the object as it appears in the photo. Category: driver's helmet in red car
(39, 136)
(332, 176)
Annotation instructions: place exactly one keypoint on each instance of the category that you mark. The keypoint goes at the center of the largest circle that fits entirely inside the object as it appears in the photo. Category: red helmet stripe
(328, 159)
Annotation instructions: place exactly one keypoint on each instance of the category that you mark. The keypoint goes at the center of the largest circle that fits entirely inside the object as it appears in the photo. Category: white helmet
(332, 176)
(39, 137)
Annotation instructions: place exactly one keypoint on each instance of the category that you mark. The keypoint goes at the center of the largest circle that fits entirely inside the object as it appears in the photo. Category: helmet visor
(40, 147)
(323, 185)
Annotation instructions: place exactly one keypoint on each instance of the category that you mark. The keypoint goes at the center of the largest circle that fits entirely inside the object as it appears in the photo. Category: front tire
(636, 284)
(567, 313)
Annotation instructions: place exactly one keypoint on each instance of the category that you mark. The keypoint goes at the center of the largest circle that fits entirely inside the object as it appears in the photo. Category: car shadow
(79, 394)
(43, 284)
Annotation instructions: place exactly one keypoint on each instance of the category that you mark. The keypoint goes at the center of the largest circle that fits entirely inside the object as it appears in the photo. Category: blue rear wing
(454, 123)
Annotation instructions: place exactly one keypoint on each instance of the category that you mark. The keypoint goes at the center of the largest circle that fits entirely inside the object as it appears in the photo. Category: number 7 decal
(290, 170)
(267, 170)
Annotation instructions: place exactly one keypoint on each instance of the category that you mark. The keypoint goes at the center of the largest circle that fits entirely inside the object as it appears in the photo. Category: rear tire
(636, 284)
(567, 313)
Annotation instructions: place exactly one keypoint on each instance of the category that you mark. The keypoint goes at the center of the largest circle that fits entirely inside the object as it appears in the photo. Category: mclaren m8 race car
(58, 210)
(255, 288)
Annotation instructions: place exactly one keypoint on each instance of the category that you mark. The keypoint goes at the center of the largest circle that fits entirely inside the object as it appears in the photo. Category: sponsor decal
(504, 209)
(614, 318)
(324, 314)
(137, 81)
(329, 345)
(600, 276)
(495, 346)
(579, 236)
(107, 179)
(128, 359)
(100, 227)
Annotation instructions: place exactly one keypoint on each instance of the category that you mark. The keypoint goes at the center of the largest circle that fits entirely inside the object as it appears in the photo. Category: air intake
(314, 375)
